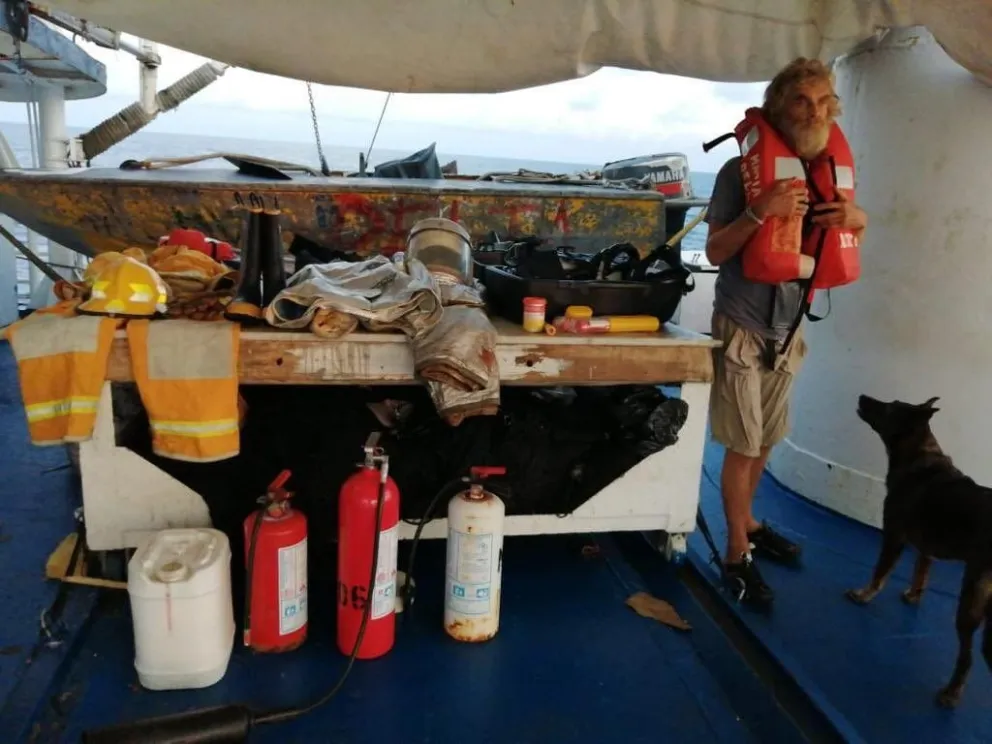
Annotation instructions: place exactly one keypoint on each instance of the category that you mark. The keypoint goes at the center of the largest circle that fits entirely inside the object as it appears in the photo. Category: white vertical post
(8, 278)
(54, 150)
(148, 77)
(8, 255)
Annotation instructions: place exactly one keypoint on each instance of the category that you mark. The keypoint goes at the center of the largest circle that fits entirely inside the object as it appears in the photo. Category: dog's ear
(929, 403)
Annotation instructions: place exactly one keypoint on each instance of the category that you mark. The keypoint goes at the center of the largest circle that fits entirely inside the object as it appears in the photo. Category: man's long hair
(781, 88)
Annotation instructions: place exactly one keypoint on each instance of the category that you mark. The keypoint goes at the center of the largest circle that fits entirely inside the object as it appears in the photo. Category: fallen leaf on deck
(647, 606)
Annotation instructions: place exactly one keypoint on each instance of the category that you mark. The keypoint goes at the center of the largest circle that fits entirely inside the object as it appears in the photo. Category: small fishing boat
(93, 210)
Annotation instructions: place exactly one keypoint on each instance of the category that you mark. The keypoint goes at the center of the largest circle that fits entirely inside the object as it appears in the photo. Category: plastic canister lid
(578, 311)
(172, 571)
(535, 303)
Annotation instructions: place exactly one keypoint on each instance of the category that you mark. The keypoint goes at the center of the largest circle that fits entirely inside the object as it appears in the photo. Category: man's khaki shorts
(749, 403)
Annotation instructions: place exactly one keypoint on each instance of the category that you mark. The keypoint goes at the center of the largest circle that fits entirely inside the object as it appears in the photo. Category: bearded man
(749, 403)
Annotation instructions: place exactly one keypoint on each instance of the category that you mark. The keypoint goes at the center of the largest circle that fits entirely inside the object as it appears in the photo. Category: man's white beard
(810, 139)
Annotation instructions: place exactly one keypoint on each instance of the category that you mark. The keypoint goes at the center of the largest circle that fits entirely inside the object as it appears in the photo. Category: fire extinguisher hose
(289, 714)
(407, 591)
(250, 574)
(231, 723)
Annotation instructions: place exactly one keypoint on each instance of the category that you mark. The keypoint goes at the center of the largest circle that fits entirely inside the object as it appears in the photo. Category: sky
(608, 115)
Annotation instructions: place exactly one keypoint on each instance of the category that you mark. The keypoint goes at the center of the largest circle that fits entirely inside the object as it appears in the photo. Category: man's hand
(784, 198)
(842, 213)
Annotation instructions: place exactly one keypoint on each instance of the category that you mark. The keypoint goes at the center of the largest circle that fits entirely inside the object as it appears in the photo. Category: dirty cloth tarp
(374, 291)
(452, 340)
(457, 357)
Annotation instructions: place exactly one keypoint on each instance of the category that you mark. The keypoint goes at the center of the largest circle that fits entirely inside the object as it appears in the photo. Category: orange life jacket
(775, 253)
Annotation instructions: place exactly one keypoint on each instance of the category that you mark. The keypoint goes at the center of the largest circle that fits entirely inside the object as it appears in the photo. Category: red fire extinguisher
(275, 572)
(365, 494)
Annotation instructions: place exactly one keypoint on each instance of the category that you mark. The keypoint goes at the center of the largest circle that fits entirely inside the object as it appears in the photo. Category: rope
(129, 120)
(685, 230)
(188, 85)
(159, 163)
(115, 129)
(377, 125)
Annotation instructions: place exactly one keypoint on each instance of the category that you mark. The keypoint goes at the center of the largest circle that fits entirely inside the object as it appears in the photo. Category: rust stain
(468, 631)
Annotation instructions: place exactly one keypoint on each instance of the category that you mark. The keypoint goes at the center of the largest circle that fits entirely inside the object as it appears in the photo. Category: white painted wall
(8, 278)
(8, 255)
(918, 323)
(696, 309)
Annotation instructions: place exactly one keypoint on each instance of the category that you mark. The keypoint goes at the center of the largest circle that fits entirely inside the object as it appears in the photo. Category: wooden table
(272, 357)
(125, 496)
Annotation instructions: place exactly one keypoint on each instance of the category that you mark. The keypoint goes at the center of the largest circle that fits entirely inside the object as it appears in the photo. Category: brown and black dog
(941, 512)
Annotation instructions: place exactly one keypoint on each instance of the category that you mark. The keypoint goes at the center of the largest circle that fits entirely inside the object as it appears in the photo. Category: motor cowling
(357, 505)
(276, 607)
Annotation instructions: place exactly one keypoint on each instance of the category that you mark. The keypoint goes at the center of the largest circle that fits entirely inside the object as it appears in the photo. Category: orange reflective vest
(61, 364)
(785, 249)
(187, 376)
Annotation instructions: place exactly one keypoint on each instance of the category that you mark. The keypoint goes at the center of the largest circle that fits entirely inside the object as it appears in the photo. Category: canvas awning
(480, 46)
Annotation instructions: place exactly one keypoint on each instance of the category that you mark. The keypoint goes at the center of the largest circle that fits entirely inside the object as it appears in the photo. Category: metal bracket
(374, 454)
(372, 447)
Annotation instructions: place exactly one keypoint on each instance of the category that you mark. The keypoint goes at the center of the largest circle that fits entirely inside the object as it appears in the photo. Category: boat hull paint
(96, 210)
(915, 325)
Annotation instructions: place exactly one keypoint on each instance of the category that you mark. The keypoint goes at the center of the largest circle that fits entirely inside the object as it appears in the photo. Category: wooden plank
(276, 357)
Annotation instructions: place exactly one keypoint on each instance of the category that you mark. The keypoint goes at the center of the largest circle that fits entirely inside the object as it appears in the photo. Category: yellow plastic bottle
(633, 323)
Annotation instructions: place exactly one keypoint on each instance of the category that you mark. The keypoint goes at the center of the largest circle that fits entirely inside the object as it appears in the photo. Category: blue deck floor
(571, 663)
(875, 668)
(37, 499)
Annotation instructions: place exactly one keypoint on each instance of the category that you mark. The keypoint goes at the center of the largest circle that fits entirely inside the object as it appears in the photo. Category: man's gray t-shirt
(747, 303)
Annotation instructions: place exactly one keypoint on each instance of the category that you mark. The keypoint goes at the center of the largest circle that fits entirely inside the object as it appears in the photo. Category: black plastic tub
(505, 293)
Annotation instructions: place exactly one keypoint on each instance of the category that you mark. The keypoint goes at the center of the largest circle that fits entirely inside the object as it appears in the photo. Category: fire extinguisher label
(469, 573)
(292, 587)
(384, 599)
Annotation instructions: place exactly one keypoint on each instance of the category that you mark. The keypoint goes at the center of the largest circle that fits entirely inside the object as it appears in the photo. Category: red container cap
(535, 303)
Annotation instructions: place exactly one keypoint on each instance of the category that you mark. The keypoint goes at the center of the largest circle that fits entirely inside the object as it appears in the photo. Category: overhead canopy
(486, 46)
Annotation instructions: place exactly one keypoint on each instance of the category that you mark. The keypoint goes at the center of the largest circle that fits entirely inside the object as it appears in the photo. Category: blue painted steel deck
(876, 668)
(36, 505)
(571, 662)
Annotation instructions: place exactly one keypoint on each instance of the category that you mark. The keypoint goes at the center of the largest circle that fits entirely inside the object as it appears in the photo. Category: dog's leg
(971, 611)
(892, 547)
(921, 571)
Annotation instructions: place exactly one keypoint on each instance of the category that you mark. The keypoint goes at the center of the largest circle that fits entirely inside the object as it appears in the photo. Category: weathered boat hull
(106, 209)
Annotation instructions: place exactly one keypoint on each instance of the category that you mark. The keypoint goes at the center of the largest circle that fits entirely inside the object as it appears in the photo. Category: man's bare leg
(737, 485)
(766, 542)
(757, 468)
